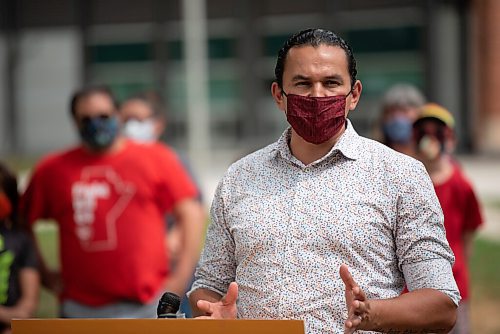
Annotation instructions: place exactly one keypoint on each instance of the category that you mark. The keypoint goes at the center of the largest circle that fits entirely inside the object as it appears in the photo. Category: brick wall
(486, 67)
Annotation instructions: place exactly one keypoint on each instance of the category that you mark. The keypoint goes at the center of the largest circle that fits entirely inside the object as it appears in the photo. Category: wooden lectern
(152, 326)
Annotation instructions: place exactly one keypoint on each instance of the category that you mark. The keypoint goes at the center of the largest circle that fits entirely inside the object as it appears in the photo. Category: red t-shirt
(110, 210)
(461, 214)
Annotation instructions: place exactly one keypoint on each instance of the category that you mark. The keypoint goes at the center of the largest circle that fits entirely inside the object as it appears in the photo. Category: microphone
(168, 305)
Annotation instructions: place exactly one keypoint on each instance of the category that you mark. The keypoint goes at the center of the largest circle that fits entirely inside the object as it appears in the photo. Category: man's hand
(224, 308)
(356, 303)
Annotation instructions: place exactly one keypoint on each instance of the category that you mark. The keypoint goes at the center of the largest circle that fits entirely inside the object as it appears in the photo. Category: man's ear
(355, 95)
(278, 95)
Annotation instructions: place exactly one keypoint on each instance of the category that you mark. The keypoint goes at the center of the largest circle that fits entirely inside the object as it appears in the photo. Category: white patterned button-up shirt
(281, 230)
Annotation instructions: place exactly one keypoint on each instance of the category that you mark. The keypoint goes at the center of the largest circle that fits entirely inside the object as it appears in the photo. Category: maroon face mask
(316, 119)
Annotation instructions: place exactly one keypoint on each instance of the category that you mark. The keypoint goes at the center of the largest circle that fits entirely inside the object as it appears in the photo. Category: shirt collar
(348, 145)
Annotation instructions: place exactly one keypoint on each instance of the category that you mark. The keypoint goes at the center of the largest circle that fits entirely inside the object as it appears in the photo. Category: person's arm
(216, 270)
(190, 219)
(34, 206)
(468, 238)
(50, 278)
(30, 289)
(418, 311)
(26, 306)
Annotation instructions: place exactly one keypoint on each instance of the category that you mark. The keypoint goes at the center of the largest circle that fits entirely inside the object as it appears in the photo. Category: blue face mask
(98, 132)
(398, 130)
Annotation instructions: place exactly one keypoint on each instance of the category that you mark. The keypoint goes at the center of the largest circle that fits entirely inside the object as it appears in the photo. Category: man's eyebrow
(335, 77)
(300, 77)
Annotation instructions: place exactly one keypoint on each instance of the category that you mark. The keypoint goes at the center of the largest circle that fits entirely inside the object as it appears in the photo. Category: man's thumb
(231, 295)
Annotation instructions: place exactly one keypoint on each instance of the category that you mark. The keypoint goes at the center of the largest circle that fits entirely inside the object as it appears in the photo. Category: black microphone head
(168, 305)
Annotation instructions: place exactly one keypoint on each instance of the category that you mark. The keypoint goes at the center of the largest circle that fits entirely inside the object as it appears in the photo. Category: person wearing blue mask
(109, 196)
(400, 108)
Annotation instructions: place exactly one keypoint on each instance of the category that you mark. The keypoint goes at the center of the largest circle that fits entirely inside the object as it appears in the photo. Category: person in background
(400, 105)
(434, 138)
(19, 277)
(144, 119)
(109, 197)
(325, 225)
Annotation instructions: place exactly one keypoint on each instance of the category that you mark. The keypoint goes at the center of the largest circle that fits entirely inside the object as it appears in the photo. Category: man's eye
(331, 83)
(302, 84)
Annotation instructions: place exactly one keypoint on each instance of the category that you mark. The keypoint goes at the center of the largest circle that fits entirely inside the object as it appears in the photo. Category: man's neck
(115, 147)
(307, 152)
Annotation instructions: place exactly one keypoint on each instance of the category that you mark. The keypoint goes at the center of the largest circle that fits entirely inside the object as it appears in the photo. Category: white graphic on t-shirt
(99, 184)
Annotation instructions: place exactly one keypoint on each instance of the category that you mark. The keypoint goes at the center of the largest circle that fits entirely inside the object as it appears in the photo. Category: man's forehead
(95, 101)
(321, 55)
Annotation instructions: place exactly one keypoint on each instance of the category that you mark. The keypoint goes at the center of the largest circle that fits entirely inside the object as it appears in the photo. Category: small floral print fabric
(281, 230)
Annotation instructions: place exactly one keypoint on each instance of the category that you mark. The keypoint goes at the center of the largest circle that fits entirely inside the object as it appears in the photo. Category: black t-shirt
(16, 253)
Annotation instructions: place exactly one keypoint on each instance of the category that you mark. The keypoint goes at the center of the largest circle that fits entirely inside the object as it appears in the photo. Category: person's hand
(52, 280)
(21, 310)
(356, 303)
(224, 308)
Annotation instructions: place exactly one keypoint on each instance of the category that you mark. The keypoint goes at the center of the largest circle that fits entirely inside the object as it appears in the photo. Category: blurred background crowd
(212, 61)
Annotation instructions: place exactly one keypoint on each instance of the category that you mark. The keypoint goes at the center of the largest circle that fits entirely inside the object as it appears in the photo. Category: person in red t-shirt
(434, 138)
(145, 118)
(109, 197)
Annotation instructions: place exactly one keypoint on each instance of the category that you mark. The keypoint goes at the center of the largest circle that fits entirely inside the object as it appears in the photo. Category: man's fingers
(358, 293)
(346, 277)
(231, 295)
(359, 308)
(349, 327)
(205, 306)
(351, 324)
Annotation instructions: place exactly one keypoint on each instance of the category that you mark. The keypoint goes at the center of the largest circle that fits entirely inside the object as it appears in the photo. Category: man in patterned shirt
(323, 200)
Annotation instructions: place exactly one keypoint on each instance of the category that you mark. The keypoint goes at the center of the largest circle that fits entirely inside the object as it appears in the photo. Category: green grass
(47, 237)
(484, 268)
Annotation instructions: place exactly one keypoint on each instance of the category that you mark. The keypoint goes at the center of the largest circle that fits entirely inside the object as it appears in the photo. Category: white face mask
(141, 131)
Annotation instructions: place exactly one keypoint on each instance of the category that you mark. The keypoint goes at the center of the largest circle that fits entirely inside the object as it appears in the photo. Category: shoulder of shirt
(387, 155)
(157, 147)
(56, 157)
(254, 159)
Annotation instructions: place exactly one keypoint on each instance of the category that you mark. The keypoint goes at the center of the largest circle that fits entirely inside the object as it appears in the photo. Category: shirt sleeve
(33, 203)
(217, 266)
(28, 256)
(425, 257)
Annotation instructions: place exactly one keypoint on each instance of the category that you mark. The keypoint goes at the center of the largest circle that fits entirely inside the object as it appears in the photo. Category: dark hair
(314, 37)
(8, 184)
(153, 99)
(88, 91)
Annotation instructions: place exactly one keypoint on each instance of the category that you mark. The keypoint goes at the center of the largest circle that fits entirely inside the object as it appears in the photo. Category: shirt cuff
(432, 274)
(199, 284)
